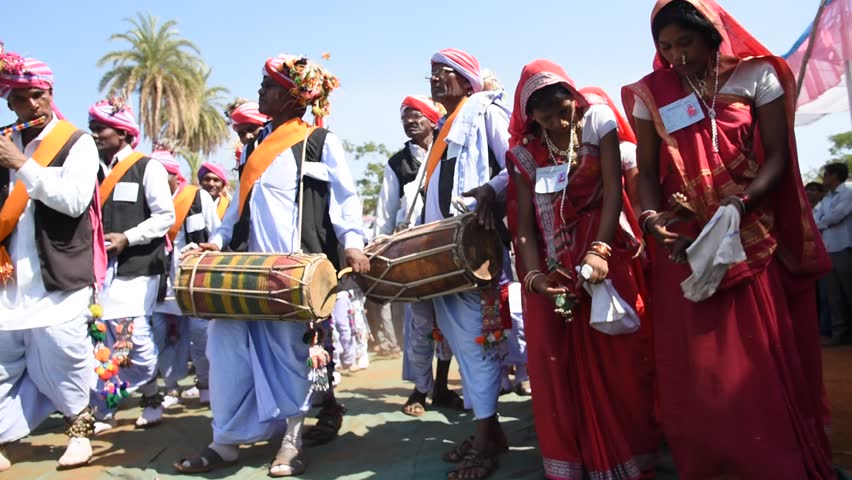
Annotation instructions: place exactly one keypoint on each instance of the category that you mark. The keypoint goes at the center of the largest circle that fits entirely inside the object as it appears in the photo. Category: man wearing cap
(180, 338)
(259, 376)
(467, 163)
(51, 255)
(138, 211)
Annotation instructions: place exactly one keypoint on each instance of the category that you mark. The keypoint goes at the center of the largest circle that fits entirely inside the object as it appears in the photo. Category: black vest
(317, 230)
(120, 216)
(197, 236)
(404, 166)
(64, 244)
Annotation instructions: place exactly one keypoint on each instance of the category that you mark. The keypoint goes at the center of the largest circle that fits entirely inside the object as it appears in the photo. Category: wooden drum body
(448, 256)
(256, 286)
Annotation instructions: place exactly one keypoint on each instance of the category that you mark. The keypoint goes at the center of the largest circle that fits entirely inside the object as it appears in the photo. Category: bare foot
(5, 464)
(78, 453)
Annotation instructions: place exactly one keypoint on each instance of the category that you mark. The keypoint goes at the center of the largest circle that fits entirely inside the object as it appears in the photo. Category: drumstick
(343, 272)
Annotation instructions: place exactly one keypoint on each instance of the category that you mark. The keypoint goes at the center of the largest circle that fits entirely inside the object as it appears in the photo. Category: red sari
(593, 400)
(739, 374)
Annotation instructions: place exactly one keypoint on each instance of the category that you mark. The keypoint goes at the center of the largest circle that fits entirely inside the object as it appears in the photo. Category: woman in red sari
(593, 400)
(739, 373)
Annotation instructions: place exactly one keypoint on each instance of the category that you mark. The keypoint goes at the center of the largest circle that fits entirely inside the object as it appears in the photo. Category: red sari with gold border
(739, 374)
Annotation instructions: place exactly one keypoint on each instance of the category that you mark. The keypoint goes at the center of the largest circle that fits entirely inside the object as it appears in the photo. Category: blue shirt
(832, 216)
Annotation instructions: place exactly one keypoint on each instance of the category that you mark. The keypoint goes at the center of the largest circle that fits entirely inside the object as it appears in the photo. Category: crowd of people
(659, 283)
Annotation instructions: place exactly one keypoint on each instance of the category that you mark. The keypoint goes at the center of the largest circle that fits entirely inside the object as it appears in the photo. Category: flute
(24, 125)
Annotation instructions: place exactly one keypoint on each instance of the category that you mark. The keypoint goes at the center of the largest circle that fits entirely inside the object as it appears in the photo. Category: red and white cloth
(424, 105)
(462, 62)
(116, 114)
(19, 72)
(247, 114)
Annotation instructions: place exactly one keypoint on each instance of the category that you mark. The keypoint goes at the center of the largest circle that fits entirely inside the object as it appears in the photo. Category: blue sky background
(380, 50)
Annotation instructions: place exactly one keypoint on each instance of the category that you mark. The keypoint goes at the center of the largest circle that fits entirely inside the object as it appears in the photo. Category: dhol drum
(256, 286)
(448, 256)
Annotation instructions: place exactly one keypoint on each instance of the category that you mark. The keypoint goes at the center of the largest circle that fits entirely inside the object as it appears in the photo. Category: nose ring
(683, 59)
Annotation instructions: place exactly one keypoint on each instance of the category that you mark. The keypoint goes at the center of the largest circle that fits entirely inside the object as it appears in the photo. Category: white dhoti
(172, 336)
(258, 378)
(419, 349)
(143, 362)
(43, 370)
(459, 317)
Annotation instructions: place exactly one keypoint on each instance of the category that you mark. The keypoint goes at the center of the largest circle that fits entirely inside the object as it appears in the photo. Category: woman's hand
(736, 202)
(675, 243)
(541, 286)
(600, 269)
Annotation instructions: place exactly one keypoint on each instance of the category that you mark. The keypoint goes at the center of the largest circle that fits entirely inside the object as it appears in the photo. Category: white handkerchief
(610, 313)
(125, 192)
(716, 248)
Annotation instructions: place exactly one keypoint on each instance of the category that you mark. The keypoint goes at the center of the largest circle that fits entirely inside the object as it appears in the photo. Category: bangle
(602, 249)
(597, 254)
(744, 199)
(643, 218)
(528, 279)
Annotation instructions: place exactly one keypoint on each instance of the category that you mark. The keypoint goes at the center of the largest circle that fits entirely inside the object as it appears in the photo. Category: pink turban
(247, 114)
(19, 72)
(170, 162)
(424, 105)
(116, 114)
(462, 62)
(209, 167)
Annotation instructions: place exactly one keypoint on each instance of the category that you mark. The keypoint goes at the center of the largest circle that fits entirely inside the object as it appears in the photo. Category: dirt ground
(377, 441)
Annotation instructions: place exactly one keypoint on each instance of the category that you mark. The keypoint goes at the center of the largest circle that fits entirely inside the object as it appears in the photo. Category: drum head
(483, 252)
(321, 287)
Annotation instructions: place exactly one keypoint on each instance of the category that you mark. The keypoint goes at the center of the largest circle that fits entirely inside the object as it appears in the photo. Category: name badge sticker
(551, 179)
(125, 192)
(682, 113)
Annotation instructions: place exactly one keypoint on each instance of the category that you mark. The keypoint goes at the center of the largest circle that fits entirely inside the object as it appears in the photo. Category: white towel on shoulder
(716, 248)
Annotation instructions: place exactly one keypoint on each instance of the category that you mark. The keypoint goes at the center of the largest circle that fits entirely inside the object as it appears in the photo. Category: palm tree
(208, 129)
(194, 160)
(161, 68)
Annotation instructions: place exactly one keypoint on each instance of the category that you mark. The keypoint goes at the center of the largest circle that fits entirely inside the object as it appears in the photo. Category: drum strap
(301, 192)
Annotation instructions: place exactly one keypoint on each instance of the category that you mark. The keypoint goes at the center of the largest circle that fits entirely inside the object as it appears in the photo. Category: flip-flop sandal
(474, 460)
(207, 461)
(328, 425)
(523, 389)
(288, 456)
(414, 409)
(448, 399)
(458, 452)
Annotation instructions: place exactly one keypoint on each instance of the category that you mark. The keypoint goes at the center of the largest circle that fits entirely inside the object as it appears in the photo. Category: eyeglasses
(412, 115)
(439, 73)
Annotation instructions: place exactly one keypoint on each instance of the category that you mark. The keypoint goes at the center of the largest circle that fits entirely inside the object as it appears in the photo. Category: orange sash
(16, 203)
(116, 173)
(223, 205)
(440, 145)
(183, 202)
(285, 136)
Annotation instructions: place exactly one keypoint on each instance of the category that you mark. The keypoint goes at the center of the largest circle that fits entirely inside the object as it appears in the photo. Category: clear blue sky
(380, 50)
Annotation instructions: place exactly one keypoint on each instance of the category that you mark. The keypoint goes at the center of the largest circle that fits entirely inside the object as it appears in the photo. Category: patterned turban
(423, 104)
(462, 62)
(209, 167)
(309, 82)
(168, 160)
(117, 114)
(19, 72)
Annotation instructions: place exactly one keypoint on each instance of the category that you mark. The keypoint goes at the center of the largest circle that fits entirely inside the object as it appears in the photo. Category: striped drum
(256, 286)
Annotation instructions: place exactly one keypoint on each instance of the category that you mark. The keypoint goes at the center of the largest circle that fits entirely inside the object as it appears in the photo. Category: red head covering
(736, 41)
(308, 81)
(433, 111)
(247, 114)
(535, 76)
(597, 96)
(466, 64)
(209, 167)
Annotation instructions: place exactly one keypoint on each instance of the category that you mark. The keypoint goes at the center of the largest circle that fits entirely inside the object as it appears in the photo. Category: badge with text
(551, 179)
(681, 113)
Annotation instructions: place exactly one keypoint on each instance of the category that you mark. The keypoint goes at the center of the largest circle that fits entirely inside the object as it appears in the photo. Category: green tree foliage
(369, 186)
(161, 68)
(841, 151)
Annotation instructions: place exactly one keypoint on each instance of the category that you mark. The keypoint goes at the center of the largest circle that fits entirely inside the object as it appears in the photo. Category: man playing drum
(468, 160)
(259, 383)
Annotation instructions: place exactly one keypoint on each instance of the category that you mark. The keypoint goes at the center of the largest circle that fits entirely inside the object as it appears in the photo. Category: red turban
(247, 114)
(464, 63)
(424, 105)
